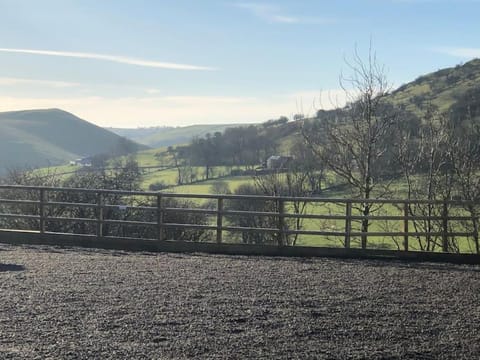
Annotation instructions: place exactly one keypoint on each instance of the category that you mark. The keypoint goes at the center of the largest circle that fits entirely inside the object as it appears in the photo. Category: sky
(141, 63)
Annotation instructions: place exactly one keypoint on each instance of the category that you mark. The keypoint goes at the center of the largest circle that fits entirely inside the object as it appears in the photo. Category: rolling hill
(166, 136)
(444, 88)
(38, 138)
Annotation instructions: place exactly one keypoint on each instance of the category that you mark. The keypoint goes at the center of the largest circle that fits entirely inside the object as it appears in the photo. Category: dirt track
(76, 303)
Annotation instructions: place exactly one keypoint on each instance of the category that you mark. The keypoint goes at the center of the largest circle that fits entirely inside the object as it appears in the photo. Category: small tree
(204, 151)
(292, 182)
(180, 162)
(465, 160)
(253, 221)
(307, 164)
(353, 142)
(424, 158)
(28, 178)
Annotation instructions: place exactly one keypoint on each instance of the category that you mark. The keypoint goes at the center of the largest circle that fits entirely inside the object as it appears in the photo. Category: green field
(206, 187)
(168, 177)
(399, 188)
(465, 245)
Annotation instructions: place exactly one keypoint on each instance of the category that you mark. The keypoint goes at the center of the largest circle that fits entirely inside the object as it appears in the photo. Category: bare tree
(465, 160)
(424, 158)
(290, 182)
(308, 165)
(180, 162)
(353, 142)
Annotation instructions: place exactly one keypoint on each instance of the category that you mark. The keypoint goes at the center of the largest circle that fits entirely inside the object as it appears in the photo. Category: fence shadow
(11, 267)
(413, 264)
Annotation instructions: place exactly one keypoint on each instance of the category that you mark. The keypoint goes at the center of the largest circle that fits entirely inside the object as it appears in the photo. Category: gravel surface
(96, 304)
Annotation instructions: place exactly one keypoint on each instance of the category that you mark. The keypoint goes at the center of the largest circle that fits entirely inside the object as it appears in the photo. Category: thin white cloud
(273, 14)
(460, 52)
(284, 19)
(267, 12)
(8, 81)
(112, 58)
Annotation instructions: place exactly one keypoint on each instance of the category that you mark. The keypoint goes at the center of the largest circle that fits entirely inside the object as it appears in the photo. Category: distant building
(278, 161)
(86, 161)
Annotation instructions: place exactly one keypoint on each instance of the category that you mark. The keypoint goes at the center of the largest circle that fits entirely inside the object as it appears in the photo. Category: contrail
(113, 58)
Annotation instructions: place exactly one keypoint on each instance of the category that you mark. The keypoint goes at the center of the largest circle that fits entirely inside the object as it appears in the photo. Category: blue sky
(153, 63)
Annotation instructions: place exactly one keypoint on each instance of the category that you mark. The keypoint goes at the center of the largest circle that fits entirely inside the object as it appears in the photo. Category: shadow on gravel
(426, 266)
(11, 267)
(77, 250)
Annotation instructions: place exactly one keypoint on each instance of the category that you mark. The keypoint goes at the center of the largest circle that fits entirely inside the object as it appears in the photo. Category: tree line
(243, 146)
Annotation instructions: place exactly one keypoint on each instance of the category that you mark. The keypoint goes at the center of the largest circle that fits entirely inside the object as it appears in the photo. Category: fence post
(281, 222)
(160, 218)
(99, 215)
(219, 219)
(445, 227)
(405, 225)
(348, 224)
(41, 210)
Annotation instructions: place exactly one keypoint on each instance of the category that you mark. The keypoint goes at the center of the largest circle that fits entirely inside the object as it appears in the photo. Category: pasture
(168, 177)
(76, 303)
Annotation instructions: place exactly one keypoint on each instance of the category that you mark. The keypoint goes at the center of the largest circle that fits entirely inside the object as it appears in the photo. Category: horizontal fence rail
(404, 225)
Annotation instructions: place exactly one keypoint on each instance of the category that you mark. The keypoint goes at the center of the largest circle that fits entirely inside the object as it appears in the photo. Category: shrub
(254, 221)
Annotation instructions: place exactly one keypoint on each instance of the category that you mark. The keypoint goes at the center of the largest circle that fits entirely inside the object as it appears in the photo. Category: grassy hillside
(442, 88)
(37, 138)
(166, 136)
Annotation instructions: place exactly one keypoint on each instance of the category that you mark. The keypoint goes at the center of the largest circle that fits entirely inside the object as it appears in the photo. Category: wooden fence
(32, 208)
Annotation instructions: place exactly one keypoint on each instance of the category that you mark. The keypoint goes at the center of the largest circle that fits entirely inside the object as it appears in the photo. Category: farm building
(85, 161)
(278, 161)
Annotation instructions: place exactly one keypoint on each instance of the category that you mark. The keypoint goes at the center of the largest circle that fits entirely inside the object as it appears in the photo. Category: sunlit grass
(206, 187)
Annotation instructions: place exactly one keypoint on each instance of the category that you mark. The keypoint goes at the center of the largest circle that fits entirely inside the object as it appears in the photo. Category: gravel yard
(78, 304)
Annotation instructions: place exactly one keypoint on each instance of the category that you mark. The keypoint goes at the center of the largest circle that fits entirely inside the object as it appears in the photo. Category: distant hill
(444, 88)
(39, 138)
(166, 136)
